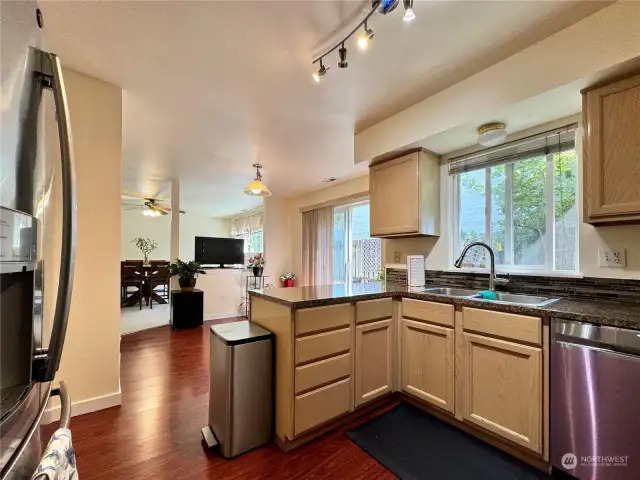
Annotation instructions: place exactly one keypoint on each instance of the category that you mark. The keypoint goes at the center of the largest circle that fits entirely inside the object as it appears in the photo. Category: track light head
(364, 39)
(321, 72)
(343, 57)
(408, 11)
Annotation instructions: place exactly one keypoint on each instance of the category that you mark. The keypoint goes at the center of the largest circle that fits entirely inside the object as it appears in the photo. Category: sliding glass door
(357, 258)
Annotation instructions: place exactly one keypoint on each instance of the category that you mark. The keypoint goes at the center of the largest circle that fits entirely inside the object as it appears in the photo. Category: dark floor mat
(415, 446)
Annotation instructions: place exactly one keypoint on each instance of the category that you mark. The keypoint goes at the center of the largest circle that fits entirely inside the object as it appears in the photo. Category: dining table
(134, 298)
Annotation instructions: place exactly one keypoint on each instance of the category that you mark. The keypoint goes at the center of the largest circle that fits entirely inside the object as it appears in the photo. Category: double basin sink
(529, 300)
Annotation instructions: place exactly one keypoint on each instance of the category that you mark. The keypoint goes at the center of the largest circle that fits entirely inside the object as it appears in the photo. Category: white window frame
(244, 236)
(549, 267)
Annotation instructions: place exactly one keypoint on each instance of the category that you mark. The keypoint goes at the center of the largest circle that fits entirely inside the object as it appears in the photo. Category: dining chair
(158, 277)
(131, 276)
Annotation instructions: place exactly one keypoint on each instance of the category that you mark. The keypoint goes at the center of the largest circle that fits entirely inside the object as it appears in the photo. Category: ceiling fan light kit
(383, 7)
(257, 187)
(492, 134)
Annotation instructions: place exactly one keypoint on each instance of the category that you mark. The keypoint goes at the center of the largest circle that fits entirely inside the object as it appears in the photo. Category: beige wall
(440, 255)
(194, 225)
(600, 41)
(277, 239)
(344, 189)
(91, 358)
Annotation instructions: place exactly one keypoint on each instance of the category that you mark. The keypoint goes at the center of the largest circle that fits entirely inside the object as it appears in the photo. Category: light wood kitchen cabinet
(502, 388)
(404, 196)
(428, 362)
(611, 152)
(374, 360)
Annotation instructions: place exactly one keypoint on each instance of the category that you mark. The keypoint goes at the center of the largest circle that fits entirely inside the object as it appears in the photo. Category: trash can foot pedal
(209, 437)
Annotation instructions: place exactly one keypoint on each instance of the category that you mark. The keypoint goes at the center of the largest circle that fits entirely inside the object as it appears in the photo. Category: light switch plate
(612, 258)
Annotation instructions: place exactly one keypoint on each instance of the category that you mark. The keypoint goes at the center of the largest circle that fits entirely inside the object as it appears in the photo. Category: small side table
(187, 308)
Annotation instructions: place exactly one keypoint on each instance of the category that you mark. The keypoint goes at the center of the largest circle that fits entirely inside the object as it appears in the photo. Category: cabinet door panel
(428, 363)
(612, 151)
(503, 388)
(395, 196)
(374, 365)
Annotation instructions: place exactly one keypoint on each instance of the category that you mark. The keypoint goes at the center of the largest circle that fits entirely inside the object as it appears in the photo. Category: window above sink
(521, 199)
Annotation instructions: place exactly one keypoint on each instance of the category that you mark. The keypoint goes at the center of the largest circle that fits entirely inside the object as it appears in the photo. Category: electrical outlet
(612, 258)
(396, 257)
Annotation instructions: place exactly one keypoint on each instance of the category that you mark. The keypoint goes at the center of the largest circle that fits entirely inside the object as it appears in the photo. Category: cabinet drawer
(319, 406)
(507, 325)
(321, 345)
(368, 310)
(322, 372)
(439, 313)
(317, 319)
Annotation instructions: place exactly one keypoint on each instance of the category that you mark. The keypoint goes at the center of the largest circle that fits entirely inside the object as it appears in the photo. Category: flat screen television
(219, 251)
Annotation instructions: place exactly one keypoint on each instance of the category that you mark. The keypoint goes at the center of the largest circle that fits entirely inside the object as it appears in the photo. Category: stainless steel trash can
(240, 387)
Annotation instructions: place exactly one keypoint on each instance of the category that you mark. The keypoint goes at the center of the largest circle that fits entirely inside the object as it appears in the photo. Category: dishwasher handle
(597, 336)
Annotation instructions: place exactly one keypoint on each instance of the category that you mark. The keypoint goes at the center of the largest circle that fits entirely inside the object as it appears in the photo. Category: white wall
(194, 225)
(91, 358)
(134, 224)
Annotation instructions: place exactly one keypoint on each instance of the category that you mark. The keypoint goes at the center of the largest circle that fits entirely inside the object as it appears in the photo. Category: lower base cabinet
(502, 388)
(319, 406)
(428, 363)
(374, 360)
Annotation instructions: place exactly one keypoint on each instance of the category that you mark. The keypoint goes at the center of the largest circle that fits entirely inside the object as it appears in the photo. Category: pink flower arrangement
(257, 261)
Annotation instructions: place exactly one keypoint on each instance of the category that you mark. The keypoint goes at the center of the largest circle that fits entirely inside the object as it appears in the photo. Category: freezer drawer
(595, 414)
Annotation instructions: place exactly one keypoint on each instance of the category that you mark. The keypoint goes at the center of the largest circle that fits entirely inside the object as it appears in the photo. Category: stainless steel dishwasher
(595, 401)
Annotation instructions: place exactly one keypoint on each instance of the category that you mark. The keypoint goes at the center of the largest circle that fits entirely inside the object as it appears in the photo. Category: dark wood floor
(155, 434)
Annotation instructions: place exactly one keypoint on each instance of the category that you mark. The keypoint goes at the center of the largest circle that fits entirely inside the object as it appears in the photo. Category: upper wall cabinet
(404, 196)
(611, 152)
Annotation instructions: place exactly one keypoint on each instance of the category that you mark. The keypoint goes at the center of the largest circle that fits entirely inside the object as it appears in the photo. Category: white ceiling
(212, 87)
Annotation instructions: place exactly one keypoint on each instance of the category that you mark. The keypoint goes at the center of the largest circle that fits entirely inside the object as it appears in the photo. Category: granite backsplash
(587, 288)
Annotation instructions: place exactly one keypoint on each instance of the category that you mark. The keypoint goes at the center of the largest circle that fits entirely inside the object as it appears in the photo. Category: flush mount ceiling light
(365, 37)
(492, 134)
(321, 72)
(408, 11)
(257, 188)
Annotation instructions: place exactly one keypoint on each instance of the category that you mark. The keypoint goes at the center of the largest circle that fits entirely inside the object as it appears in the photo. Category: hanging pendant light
(257, 188)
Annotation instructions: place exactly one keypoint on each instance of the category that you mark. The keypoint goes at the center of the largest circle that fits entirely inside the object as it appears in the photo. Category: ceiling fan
(151, 207)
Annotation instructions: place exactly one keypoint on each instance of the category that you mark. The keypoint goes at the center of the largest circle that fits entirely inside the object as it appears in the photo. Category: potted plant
(146, 246)
(187, 273)
(288, 279)
(257, 263)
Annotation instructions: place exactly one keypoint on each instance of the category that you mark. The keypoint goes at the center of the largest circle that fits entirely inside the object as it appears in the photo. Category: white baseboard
(219, 316)
(52, 414)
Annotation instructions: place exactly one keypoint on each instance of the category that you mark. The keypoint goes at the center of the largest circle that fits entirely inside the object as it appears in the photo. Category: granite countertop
(600, 312)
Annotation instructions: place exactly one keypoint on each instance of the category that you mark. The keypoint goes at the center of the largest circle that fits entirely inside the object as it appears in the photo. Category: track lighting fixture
(365, 37)
(321, 71)
(343, 57)
(408, 11)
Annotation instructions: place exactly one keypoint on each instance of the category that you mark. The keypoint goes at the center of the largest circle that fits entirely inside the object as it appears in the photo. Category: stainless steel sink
(530, 300)
(452, 292)
(524, 299)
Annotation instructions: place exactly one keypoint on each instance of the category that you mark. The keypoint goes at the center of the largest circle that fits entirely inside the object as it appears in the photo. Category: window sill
(532, 273)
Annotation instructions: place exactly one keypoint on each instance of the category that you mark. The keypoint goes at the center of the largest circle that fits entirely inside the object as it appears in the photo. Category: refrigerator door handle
(50, 71)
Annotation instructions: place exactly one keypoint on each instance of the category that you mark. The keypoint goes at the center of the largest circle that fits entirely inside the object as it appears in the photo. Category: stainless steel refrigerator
(29, 74)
